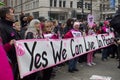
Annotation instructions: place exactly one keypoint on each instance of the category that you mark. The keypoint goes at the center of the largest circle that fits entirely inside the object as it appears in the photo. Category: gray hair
(31, 26)
(33, 22)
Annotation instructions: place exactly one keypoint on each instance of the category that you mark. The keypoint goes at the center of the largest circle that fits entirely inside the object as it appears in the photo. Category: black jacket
(8, 33)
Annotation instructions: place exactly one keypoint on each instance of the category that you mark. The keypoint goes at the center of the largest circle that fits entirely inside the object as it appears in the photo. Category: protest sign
(37, 54)
(90, 20)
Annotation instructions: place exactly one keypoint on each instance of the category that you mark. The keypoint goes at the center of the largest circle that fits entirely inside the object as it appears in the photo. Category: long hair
(46, 25)
(31, 27)
(115, 22)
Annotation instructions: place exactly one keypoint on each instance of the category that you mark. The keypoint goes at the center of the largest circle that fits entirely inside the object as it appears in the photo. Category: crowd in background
(29, 28)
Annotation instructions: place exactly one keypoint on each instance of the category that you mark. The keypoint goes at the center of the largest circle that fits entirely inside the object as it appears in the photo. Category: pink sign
(90, 20)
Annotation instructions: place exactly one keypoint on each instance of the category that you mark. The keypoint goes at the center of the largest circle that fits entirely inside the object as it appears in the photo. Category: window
(55, 3)
(36, 15)
(27, 14)
(60, 3)
(79, 4)
(100, 7)
(64, 3)
(89, 6)
(71, 4)
(62, 17)
(33, 5)
(107, 7)
(37, 3)
(12, 3)
(19, 2)
(86, 5)
(104, 16)
(51, 3)
(15, 2)
(26, 7)
(104, 7)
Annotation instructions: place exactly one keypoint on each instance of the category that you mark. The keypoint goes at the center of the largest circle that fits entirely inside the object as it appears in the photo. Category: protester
(69, 25)
(23, 20)
(48, 34)
(34, 32)
(62, 27)
(83, 28)
(115, 22)
(29, 18)
(56, 28)
(73, 33)
(47, 30)
(105, 29)
(90, 54)
(5, 67)
(17, 28)
(8, 33)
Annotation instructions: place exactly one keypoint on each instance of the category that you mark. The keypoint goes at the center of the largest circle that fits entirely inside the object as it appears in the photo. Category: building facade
(55, 9)
(63, 9)
(7, 2)
(106, 12)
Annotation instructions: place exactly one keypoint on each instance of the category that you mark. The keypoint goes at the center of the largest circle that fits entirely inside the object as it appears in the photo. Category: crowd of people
(29, 28)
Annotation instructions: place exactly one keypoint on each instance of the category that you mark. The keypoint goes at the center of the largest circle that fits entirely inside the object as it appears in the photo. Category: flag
(112, 3)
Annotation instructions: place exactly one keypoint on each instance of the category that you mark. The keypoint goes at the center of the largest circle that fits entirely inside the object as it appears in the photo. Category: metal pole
(21, 6)
(82, 9)
(51, 3)
(82, 6)
(50, 13)
(91, 5)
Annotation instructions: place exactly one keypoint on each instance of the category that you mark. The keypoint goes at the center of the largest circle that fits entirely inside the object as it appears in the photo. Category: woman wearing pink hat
(70, 34)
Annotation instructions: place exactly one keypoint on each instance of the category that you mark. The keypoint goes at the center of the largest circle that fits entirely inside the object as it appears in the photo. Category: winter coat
(5, 68)
(72, 33)
(7, 34)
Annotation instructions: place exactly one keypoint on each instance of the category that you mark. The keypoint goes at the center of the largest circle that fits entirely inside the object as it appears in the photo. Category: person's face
(76, 27)
(108, 24)
(10, 16)
(37, 26)
(48, 28)
(18, 27)
(25, 19)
